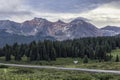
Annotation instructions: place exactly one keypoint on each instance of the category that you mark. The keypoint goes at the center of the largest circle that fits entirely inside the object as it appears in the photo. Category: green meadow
(13, 73)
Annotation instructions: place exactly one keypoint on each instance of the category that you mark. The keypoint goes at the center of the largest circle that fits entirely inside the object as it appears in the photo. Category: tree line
(95, 48)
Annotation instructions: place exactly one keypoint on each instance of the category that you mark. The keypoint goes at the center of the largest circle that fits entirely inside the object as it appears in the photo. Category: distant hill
(111, 30)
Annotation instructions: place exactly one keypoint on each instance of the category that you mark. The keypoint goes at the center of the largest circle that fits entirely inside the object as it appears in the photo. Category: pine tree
(45, 54)
(16, 51)
(85, 60)
(53, 54)
(117, 59)
(7, 51)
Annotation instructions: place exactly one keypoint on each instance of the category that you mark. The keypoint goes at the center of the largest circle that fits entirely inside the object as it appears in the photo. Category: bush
(104, 76)
(3, 66)
(80, 77)
(85, 60)
(117, 59)
(23, 71)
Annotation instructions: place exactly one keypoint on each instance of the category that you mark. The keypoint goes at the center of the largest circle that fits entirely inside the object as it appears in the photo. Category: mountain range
(41, 29)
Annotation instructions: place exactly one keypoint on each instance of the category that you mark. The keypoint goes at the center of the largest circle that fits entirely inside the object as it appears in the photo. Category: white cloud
(104, 15)
(8, 5)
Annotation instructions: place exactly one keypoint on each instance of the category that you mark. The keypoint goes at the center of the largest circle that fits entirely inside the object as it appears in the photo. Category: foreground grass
(14, 73)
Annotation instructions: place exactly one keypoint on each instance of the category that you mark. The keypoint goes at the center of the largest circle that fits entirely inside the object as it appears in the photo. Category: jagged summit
(78, 19)
(39, 19)
(60, 21)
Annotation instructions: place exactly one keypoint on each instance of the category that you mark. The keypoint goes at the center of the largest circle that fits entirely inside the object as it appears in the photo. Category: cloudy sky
(99, 12)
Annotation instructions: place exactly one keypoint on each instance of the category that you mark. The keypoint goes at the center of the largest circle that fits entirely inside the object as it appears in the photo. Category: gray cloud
(20, 10)
(17, 13)
(10, 8)
(66, 6)
(27, 7)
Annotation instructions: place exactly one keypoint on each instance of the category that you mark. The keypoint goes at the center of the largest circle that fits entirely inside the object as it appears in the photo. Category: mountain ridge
(41, 29)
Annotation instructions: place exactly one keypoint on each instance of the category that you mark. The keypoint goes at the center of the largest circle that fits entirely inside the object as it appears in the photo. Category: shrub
(104, 76)
(23, 71)
(81, 77)
(117, 59)
(3, 66)
(85, 60)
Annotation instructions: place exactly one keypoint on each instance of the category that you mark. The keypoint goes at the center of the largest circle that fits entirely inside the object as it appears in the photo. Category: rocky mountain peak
(79, 20)
(39, 19)
(60, 22)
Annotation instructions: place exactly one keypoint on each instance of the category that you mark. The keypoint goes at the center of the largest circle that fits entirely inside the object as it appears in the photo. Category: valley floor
(68, 62)
(15, 73)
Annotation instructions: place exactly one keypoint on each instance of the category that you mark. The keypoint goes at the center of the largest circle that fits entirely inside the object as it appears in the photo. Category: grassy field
(13, 73)
(68, 62)
(115, 52)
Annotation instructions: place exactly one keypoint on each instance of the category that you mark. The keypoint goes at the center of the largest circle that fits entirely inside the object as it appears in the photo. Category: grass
(13, 73)
(115, 53)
